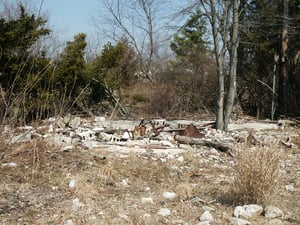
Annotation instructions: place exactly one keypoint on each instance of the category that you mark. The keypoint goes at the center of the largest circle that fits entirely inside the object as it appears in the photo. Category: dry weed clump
(184, 191)
(257, 175)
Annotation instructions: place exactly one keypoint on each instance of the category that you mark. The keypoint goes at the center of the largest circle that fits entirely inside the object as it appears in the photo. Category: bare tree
(223, 18)
(140, 22)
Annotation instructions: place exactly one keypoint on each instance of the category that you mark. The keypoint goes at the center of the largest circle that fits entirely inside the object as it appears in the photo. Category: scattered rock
(206, 216)
(180, 159)
(67, 148)
(123, 216)
(169, 195)
(76, 204)
(164, 212)
(69, 222)
(74, 122)
(10, 164)
(72, 183)
(60, 122)
(204, 223)
(272, 212)
(147, 189)
(248, 212)
(238, 221)
(290, 187)
(274, 222)
(125, 182)
(147, 200)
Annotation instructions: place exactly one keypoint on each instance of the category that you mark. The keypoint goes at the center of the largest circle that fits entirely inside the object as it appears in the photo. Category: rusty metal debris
(191, 131)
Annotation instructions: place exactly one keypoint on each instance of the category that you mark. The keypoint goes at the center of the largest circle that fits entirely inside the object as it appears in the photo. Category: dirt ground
(128, 188)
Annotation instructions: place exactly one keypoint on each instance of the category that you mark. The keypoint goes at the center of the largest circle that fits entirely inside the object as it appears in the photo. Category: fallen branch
(197, 141)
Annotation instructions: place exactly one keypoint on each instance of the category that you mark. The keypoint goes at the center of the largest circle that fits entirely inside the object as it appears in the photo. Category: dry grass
(257, 175)
(37, 191)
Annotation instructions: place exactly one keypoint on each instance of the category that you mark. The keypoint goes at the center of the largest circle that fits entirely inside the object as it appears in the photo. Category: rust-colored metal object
(191, 131)
(141, 129)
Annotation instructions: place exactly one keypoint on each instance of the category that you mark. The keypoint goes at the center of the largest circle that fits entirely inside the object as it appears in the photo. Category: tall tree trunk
(283, 78)
(220, 101)
(220, 55)
(233, 65)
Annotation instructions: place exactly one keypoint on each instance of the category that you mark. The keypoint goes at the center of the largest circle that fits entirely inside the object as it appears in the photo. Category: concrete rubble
(158, 135)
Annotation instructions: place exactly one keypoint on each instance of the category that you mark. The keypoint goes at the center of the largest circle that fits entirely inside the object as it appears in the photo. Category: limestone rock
(206, 216)
(76, 204)
(169, 195)
(204, 223)
(75, 122)
(146, 200)
(248, 212)
(164, 212)
(272, 212)
(238, 221)
(69, 222)
(290, 188)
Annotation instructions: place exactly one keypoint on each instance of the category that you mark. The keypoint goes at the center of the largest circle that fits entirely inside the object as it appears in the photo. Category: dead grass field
(36, 190)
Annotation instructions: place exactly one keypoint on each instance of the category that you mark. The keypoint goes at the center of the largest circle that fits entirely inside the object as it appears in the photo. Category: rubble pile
(155, 134)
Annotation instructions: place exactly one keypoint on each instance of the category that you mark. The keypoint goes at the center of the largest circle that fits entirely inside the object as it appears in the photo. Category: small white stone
(69, 222)
(125, 182)
(147, 200)
(238, 221)
(290, 187)
(10, 164)
(180, 159)
(164, 212)
(272, 212)
(123, 216)
(67, 148)
(169, 195)
(238, 211)
(77, 204)
(72, 183)
(206, 216)
(204, 223)
(248, 212)
(147, 189)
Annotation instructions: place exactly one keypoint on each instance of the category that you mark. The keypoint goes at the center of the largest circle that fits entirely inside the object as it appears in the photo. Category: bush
(256, 175)
(137, 98)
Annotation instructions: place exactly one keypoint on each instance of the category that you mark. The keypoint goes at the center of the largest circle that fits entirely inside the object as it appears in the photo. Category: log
(197, 141)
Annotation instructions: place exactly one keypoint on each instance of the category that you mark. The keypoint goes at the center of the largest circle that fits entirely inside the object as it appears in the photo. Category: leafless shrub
(257, 175)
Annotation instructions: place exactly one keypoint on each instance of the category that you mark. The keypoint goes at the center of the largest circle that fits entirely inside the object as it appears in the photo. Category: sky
(69, 17)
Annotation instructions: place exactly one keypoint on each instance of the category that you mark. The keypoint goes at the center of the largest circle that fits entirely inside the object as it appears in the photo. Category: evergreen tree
(189, 43)
(116, 65)
(21, 69)
(70, 72)
(192, 69)
(17, 38)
